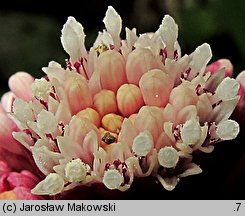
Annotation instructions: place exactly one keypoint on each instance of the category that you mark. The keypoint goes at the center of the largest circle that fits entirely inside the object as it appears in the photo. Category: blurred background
(30, 38)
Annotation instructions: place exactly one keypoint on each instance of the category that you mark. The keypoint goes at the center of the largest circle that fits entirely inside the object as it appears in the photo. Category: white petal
(168, 31)
(68, 148)
(201, 57)
(131, 37)
(113, 22)
(46, 122)
(193, 169)
(72, 39)
(22, 110)
(45, 159)
(103, 38)
(228, 89)
(227, 130)
(51, 185)
(168, 183)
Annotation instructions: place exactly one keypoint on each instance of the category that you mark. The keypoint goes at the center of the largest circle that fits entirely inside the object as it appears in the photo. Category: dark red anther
(27, 131)
(117, 163)
(68, 65)
(176, 56)
(107, 166)
(44, 103)
(49, 136)
(47, 78)
(111, 46)
(198, 89)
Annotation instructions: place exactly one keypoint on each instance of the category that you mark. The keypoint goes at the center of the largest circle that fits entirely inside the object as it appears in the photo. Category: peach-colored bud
(111, 67)
(20, 85)
(105, 102)
(78, 94)
(182, 96)
(139, 62)
(91, 115)
(129, 99)
(112, 122)
(8, 195)
(221, 63)
(155, 86)
(150, 118)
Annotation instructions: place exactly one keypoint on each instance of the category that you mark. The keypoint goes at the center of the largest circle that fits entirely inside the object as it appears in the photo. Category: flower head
(124, 109)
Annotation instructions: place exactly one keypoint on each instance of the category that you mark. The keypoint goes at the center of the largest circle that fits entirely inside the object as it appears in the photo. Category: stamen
(168, 157)
(142, 144)
(113, 179)
(191, 132)
(41, 89)
(101, 48)
(75, 170)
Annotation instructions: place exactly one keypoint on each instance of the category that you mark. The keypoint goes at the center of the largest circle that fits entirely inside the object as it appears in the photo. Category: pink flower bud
(78, 94)
(150, 119)
(139, 62)
(182, 96)
(221, 63)
(155, 86)
(111, 67)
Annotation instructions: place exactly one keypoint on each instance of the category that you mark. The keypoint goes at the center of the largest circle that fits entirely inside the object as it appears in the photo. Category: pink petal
(90, 146)
(7, 141)
(150, 119)
(4, 185)
(7, 101)
(18, 162)
(20, 84)
(127, 133)
(241, 79)
(139, 62)
(182, 96)
(155, 86)
(4, 167)
(221, 63)
(78, 128)
(20, 180)
(23, 193)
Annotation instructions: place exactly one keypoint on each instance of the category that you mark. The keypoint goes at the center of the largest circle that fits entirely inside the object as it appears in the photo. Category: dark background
(30, 38)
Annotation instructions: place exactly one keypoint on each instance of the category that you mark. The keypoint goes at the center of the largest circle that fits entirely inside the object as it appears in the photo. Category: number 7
(238, 206)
